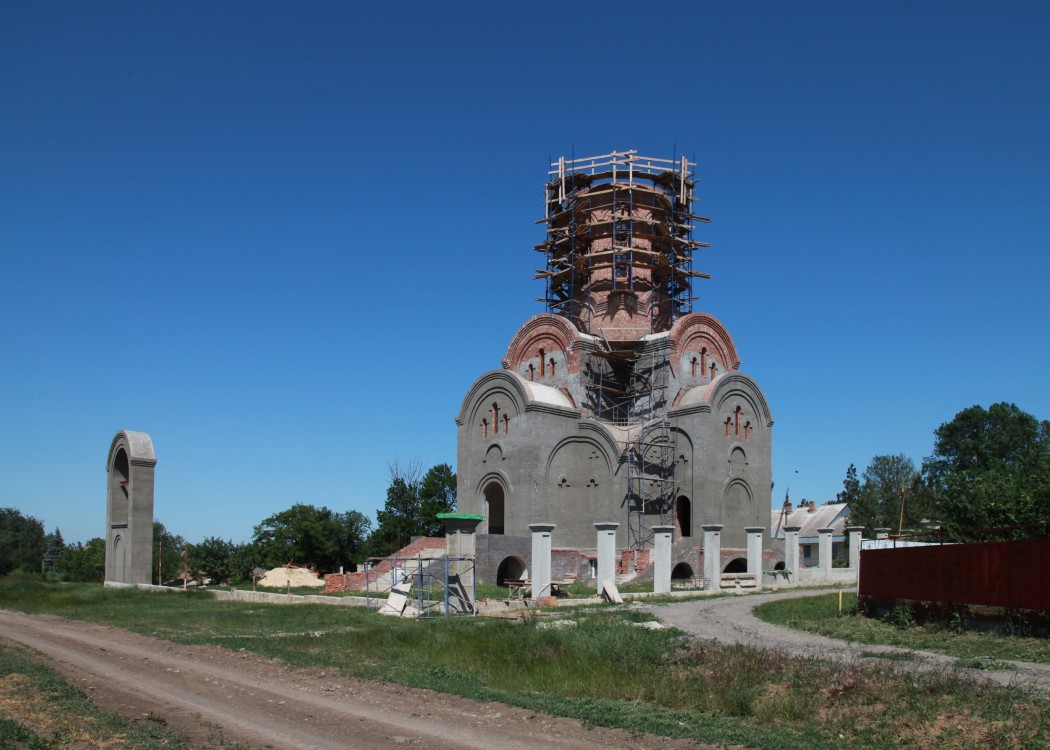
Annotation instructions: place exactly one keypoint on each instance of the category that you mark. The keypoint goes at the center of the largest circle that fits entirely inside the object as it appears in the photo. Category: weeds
(938, 630)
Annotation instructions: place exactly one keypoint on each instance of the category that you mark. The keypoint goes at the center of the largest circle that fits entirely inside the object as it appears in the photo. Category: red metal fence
(1014, 574)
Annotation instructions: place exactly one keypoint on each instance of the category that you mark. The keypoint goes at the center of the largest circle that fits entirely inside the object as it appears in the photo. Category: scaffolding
(438, 586)
(619, 264)
(619, 231)
(649, 452)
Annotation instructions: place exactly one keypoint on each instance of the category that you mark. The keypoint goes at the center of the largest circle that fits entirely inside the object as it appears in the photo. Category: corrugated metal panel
(1012, 574)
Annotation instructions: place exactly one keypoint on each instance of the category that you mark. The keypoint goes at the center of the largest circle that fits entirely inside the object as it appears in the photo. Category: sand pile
(280, 577)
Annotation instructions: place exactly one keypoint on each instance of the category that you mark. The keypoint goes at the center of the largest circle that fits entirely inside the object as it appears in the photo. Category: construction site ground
(213, 695)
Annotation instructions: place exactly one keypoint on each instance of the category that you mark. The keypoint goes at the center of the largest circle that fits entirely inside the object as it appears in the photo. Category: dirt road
(730, 620)
(264, 703)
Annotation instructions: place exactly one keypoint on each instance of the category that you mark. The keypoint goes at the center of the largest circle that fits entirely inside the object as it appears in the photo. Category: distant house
(811, 517)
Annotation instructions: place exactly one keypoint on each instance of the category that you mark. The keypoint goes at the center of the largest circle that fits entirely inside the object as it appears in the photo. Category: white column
(606, 552)
(713, 556)
(461, 533)
(754, 553)
(541, 559)
(662, 561)
(854, 547)
(791, 561)
(824, 552)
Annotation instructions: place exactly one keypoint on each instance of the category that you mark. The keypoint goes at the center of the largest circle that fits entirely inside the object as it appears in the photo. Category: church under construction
(618, 403)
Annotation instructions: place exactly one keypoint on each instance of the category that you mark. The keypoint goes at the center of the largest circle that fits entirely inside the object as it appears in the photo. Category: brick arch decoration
(696, 331)
(548, 332)
(129, 507)
(739, 386)
(495, 384)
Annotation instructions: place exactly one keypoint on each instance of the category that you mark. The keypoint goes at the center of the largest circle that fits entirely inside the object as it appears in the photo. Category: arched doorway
(682, 572)
(684, 516)
(736, 565)
(512, 568)
(494, 507)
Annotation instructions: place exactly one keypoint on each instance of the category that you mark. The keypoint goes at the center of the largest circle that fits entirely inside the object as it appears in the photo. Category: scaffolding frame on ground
(619, 222)
(435, 593)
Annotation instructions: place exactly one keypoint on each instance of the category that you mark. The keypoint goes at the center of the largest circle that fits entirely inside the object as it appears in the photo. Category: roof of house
(811, 520)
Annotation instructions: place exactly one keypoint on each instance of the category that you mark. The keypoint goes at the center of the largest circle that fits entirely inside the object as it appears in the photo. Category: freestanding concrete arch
(129, 507)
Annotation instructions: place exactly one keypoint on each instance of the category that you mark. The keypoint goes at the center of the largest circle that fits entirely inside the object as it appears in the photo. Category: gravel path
(730, 620)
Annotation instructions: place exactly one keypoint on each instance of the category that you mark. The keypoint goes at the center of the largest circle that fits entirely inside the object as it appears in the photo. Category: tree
(53, 546)
(990, 469)
(170, 548)
(354, 528)
(22, 543)
(412, 505)
(84, 563)
(437, 494)
(212, 558)
(303, 534)
(888, 480)
(399, 520)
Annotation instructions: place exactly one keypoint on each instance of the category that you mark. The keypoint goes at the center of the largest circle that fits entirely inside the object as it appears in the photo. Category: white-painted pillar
(824, 552)
(754, 553)
(855, 533)
(662, 559)
(606, 552)
(713, 556)
(791, 561)
(541, 559)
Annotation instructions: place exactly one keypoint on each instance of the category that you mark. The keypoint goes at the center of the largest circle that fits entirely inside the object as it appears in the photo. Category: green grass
(30, 693)
(603, 671)
(819, 614)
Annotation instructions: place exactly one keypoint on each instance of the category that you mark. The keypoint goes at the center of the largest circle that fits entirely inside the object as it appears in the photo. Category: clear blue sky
(284, 239)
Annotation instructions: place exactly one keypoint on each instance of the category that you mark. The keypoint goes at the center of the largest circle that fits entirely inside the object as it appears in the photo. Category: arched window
(542, 363)
(736, 421)
(495, 417)
(506, 423)
(684, 517)
(703, 364)
(747, 431)
(728, 422)
(693, 367)
(714, 368)
(532, 372)
(552, 366)
(484, 428)
(494, 507)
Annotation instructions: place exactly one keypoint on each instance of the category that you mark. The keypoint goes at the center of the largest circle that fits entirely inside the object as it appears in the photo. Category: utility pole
(900, 524)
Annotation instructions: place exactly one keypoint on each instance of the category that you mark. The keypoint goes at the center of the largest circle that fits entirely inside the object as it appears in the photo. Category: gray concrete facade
(129, 508)
(528, 448)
